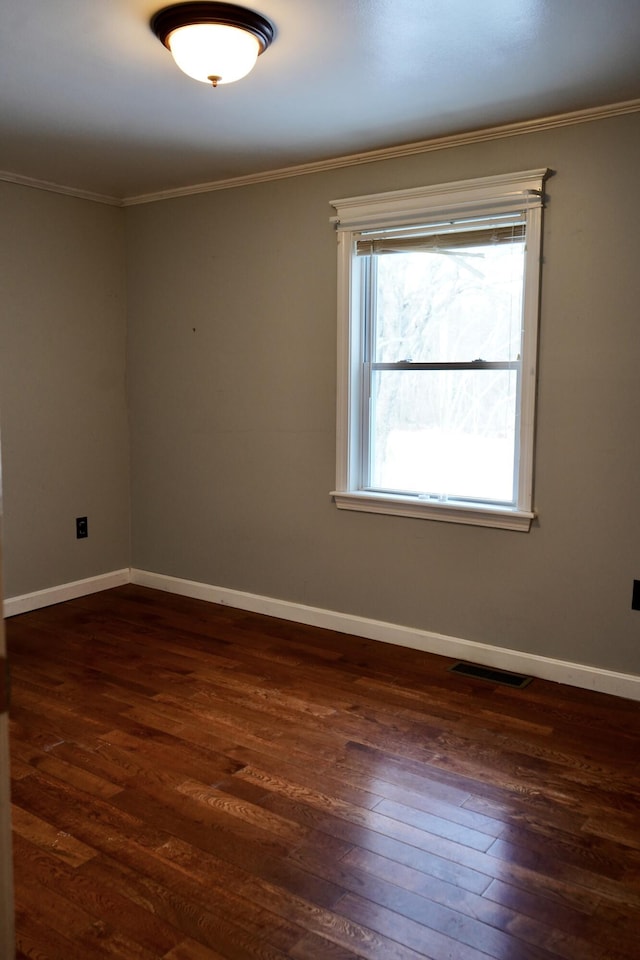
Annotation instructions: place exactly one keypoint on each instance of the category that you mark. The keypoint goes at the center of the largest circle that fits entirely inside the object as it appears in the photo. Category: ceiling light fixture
(213, 42)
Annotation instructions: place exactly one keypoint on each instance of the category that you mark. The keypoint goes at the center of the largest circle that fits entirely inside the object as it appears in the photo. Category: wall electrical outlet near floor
(635, 599)
(82, 528)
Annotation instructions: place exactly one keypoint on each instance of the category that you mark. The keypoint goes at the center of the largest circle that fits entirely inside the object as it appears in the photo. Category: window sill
(503, 518)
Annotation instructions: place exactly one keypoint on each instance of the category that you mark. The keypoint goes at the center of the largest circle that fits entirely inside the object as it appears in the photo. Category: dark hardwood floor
(192, 782)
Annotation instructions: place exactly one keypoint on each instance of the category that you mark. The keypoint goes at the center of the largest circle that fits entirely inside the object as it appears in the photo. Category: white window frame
(424, 205)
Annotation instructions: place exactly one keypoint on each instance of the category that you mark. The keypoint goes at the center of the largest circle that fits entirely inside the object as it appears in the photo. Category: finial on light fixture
(213, 42)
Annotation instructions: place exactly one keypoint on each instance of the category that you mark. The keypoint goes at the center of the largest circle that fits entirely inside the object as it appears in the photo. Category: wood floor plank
(432, 866)
(315, 947)
(36, 939)
(468, 941)
(283, 873)
(96, 823)
(222, 921)
(194, 782)
(188, 819)
(442, 907)
(91, 783)
(216, 835)
(157, 748)
(192, 950)
(64, 918)
(354, 824)
(260, 767)
(573, 934)
(528, 917)
(132, 921)
(343, 931)
(49, 838)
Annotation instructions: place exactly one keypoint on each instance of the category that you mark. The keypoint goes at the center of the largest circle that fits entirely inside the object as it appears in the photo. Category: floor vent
(488, 673)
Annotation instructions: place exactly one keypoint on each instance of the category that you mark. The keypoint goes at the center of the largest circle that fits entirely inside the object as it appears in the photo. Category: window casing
(436, 371)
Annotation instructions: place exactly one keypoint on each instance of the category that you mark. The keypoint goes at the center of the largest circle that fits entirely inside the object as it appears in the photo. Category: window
(438, 317)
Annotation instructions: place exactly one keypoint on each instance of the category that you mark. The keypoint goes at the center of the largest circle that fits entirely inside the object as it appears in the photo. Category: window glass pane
(460, 304)
(448, 433)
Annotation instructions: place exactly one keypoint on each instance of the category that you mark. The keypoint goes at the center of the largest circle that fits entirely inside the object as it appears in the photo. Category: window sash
(369, 425)
(466, 235)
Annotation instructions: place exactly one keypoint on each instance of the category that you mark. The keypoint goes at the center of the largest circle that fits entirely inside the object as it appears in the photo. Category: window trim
(427, 205)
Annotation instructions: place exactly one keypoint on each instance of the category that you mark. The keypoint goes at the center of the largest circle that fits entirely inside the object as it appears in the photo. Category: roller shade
(440, 242)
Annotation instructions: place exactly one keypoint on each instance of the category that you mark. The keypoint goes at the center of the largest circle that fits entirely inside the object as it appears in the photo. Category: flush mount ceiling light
(213, 42)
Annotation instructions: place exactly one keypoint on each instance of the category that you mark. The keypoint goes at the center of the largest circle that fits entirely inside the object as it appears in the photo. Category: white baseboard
(65, 591)
(560, 671)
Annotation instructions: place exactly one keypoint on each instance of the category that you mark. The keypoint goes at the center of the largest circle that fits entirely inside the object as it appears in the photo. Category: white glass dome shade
(214, 52)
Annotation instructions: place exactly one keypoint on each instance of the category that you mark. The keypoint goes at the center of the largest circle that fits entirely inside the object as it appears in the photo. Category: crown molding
(8, 177)
(321, 166)
(403, 150)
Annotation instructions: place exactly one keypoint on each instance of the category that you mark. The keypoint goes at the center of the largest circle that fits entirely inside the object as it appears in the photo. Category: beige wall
(232, 401)
(231, 373)
(62, 388)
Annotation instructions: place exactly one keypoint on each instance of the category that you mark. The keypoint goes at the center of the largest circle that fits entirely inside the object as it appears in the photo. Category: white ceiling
(90, 99)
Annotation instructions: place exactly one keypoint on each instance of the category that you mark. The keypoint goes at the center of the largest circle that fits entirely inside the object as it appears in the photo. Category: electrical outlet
(82, 528)
(635, 599)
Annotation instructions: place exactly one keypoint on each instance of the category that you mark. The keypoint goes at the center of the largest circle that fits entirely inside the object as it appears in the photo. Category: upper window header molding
(515, 191)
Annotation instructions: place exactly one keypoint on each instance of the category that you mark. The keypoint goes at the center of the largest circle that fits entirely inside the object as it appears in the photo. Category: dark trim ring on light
(229, 14)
